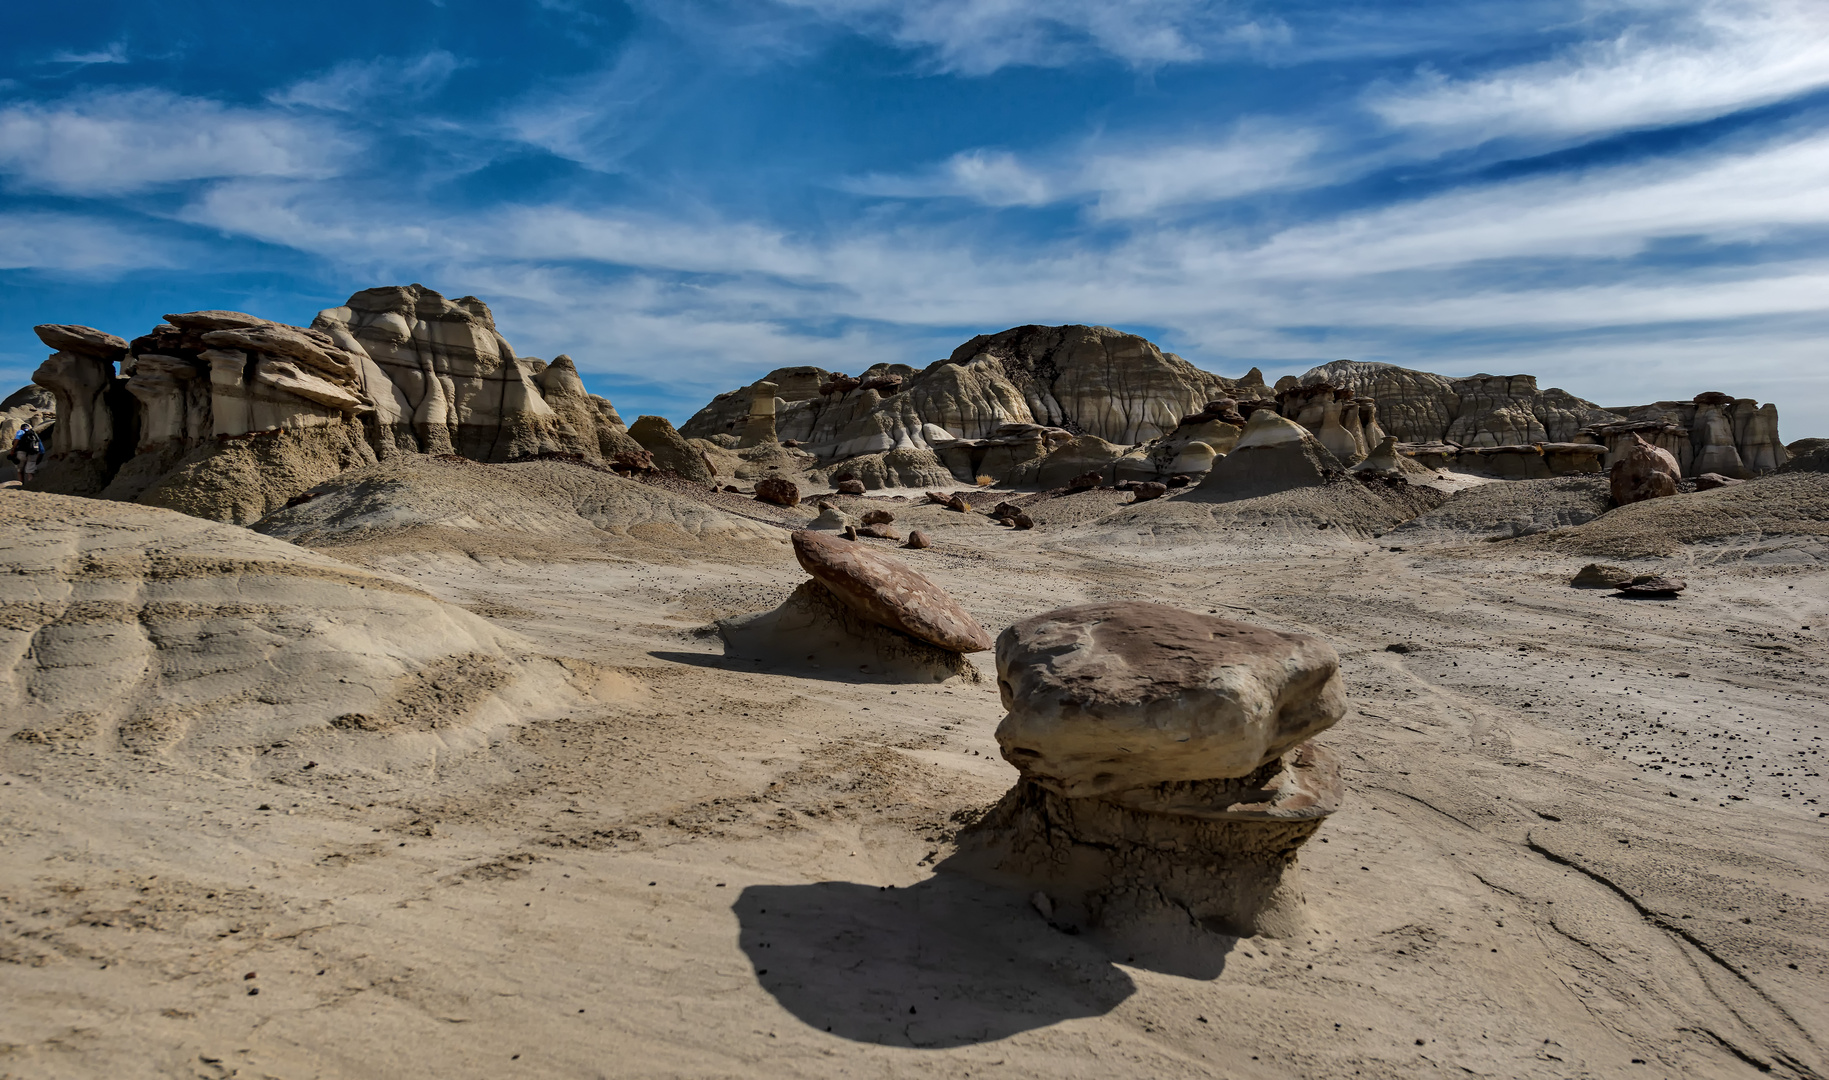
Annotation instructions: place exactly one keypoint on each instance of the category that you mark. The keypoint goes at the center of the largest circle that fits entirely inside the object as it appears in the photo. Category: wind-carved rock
(760, 428)
(96, 418)
(863, 614)
(226, 415)
(1274, 454)
(1167, 777)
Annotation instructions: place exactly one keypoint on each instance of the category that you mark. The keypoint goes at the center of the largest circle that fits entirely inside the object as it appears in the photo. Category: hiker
(27, 453)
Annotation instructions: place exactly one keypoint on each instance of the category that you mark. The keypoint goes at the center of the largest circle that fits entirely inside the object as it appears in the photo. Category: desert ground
(1584, 835)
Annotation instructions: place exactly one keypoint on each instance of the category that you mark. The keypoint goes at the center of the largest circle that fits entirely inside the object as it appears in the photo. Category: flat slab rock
(889, 592)
(1107, 697)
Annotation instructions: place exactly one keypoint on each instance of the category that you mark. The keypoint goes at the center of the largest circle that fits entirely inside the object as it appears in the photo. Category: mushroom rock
(657, 436)
(1643, 472)
(1167, 779)
(96, 416)
(777, 490)
(889, 592)
(1274, 454)
(759, 429)
(1711, 436)
(814, 630)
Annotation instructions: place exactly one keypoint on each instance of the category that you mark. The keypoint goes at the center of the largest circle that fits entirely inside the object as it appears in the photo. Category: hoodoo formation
(1374, 723)
(1167, 777)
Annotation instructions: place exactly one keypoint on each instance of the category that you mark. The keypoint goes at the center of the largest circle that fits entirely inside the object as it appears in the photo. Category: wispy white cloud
(1119, 182)
(977, 37)
(115, 53)
(360, 84)
(73, 243)
(110, 143)
(1677, 62)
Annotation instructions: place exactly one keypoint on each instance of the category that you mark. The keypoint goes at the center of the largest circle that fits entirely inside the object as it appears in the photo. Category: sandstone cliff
(226, 415)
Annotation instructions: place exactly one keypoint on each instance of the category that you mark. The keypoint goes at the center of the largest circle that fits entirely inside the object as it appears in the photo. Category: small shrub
(986, 481)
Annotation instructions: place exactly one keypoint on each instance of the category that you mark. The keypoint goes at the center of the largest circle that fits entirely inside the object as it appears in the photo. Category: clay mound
(1774, 519)
(1508, 508)
(815, 632)
(1341, 512)
(556, 509)
(139, 630)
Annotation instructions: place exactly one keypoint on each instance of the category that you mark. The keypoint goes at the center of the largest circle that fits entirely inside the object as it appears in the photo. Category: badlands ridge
(379, 702)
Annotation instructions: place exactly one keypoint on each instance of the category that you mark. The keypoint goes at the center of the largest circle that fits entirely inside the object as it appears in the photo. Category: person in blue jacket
(27, 453)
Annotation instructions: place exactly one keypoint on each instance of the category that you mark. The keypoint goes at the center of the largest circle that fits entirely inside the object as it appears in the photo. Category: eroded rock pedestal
(1168, 779)
(1215, 855)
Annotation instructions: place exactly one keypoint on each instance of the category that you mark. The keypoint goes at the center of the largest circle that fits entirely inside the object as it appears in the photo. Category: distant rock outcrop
(991, 406)
(226, 415)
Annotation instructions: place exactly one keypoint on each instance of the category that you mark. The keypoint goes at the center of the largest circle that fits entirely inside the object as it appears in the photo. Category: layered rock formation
(226, 415)
(998, 405)
(1488, 423)
(1167, 779)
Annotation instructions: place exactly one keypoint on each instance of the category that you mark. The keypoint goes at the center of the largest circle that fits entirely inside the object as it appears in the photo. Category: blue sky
(1629, 199)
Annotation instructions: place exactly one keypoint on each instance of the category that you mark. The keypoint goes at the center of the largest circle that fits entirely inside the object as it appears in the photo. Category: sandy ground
(1585, 837)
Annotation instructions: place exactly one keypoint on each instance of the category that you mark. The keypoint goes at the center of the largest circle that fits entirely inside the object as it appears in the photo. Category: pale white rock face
(1195, 457)
(1342, 441)
(1085, 380)
(397, 369)
(1712, 436)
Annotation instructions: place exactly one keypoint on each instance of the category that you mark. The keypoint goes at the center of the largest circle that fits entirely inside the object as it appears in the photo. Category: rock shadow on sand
(946, 962)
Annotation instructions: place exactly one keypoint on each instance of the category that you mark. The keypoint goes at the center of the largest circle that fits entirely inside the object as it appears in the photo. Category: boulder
(889, 592)
(879, 532)
(1601, 576)
(1021, 522)
(1652, 585)
(1087, 481)
(1107, 697)
(1643, 472)
(955, 503)
(877, 517)
(1145, 492)
(814, 631)
(917, 539)
(849, 487)
(1382, 461)
(830, 519)
(778, 490)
